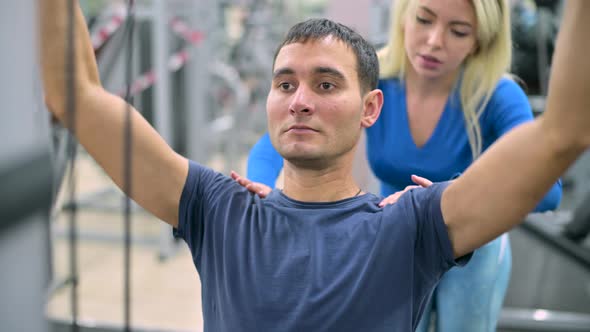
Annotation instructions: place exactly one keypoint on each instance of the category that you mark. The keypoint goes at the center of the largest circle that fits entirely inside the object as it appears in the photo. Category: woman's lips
(430, 62)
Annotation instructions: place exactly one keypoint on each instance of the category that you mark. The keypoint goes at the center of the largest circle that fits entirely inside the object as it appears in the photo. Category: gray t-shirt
(277, 264)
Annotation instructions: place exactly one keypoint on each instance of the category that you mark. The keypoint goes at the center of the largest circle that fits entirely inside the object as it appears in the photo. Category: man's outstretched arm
(511, 177)
(158, 173)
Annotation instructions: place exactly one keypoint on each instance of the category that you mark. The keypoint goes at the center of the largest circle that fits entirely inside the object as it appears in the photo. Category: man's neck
(323, 185)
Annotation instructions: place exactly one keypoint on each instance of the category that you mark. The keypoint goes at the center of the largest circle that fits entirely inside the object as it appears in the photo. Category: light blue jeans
(470, 298)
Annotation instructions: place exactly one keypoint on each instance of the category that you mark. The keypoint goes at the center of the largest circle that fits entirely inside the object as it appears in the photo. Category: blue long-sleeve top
(394, 157)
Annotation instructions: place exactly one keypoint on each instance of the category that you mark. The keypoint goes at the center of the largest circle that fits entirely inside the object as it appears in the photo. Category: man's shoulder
(423, 202)
(205, 183)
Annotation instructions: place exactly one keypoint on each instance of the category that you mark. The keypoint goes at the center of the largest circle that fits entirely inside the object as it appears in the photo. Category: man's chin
(298, 150)
(303, 157)
(300, 155)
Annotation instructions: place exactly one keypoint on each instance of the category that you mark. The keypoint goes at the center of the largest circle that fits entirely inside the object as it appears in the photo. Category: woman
(447, 98)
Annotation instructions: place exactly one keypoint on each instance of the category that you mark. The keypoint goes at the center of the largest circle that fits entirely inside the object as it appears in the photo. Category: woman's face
(439, 35)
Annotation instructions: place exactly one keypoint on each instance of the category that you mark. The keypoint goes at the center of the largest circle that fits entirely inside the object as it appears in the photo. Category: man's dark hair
(318, 28)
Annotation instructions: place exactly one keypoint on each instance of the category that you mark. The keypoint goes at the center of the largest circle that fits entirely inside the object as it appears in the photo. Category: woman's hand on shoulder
(419, 182)
(257, 188)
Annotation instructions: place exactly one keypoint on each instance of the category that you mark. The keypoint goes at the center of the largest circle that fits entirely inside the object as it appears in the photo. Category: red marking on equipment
(105, 32)
(184, 31)
(175, 61)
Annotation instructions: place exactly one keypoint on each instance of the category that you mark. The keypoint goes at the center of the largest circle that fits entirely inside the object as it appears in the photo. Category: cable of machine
(71, 153)
(127, 160)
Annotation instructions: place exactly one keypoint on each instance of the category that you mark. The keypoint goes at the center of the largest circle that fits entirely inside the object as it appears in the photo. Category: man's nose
(301, 102)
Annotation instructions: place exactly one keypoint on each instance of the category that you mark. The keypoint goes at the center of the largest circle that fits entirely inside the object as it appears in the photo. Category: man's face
(315, 104)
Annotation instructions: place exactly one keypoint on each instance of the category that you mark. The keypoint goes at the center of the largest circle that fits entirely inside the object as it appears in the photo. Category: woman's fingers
(391, 199)
(394, 197)
(257, 188)
(422, 182)
(418, 180)
(244, 182)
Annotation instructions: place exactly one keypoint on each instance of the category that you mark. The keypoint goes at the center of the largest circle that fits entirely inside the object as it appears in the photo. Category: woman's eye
(422, 20)
(460, 33)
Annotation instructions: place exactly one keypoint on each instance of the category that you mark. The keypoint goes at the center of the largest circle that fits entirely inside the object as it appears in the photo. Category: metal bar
(162, 102)
(540, 320)
(554, 238)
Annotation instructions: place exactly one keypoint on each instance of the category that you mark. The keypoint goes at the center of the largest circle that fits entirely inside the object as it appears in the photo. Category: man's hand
(257, 188)
(418, 180)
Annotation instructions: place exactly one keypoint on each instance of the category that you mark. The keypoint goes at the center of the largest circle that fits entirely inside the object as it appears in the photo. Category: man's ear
(372, 104)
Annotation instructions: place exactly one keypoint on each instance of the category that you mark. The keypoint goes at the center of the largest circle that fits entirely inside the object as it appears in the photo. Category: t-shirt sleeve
(433, 252)
(202, 190)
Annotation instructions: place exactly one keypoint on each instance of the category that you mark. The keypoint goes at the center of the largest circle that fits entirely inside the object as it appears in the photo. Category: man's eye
(326, 86)
(284, 86)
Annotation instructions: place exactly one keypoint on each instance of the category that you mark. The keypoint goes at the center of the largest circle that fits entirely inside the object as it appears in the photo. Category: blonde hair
(481, 71)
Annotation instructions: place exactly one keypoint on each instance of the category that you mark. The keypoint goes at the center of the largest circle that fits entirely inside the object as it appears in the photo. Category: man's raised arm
(158, 173)
(506, 183)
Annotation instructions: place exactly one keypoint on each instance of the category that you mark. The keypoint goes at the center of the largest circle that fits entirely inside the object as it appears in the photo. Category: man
(320, 256)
